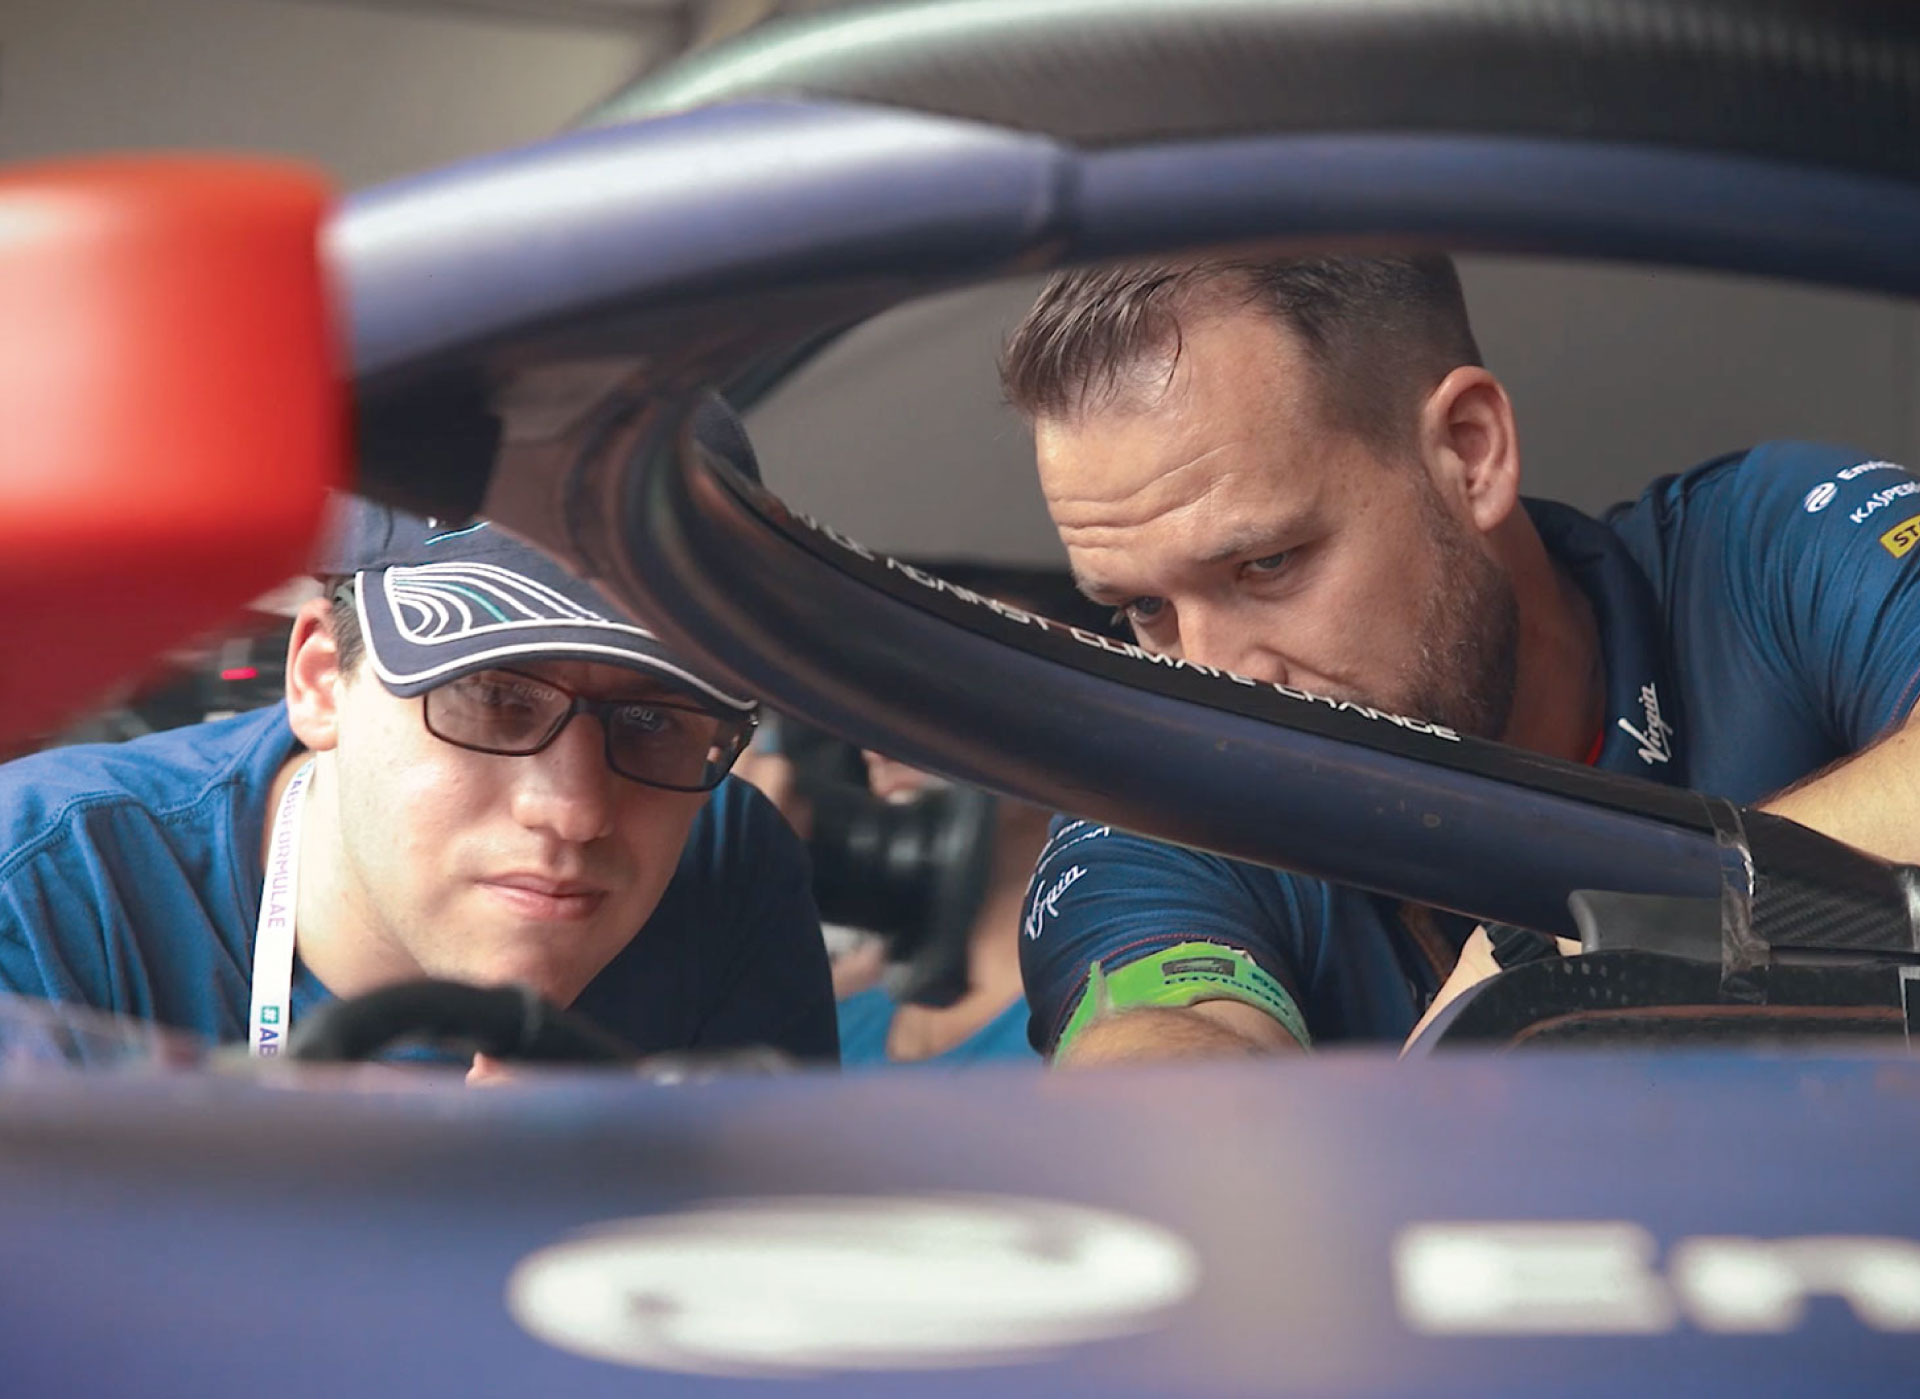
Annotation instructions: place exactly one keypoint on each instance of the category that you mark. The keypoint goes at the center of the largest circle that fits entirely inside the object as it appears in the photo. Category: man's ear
(1471, 446)
(314, 681)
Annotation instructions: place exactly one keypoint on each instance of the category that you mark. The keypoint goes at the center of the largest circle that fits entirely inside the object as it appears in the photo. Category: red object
(174, 412)
(241, 672)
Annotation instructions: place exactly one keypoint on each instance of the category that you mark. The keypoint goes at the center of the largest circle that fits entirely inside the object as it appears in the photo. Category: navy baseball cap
(436, 601)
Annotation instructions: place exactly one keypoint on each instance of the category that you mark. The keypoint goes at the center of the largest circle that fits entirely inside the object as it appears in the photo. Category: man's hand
(859, 968)
(1476, 964)
(1205, 1030)
(488, 1070)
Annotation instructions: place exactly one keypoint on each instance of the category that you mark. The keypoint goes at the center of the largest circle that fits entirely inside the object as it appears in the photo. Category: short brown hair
(1379, 330)
(343, 620)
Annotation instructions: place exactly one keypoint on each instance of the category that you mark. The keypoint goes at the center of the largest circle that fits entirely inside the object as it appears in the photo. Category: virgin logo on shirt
(1047, 904)
(1656, 739)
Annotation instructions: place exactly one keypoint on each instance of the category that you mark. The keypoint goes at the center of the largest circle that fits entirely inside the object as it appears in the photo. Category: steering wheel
(514, 1023)
(506, 1022)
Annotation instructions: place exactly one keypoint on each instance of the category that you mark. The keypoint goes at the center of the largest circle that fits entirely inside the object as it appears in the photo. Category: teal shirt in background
(867, 1016)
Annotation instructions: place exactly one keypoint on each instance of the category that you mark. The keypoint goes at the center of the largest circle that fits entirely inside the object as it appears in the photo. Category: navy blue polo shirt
(130, 880)
(1759, 618)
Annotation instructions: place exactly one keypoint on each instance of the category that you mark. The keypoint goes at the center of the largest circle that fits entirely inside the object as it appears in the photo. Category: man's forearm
(1207, 1030)
(1872, 800)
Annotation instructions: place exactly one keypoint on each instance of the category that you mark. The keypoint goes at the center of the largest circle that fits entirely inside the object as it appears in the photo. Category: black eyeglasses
(680, 747)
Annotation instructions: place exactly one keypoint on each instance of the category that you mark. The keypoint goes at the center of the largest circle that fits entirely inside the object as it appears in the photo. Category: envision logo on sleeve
(804, 1285)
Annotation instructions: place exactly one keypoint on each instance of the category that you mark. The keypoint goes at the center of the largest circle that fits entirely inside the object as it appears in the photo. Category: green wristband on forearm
(1179, 976)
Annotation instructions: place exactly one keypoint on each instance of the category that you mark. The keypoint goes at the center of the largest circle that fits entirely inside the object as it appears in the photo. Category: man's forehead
(1133, 457)
(1223, 508)
(1114, 476)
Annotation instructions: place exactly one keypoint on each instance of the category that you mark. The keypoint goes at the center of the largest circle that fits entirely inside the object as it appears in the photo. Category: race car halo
(790, 187)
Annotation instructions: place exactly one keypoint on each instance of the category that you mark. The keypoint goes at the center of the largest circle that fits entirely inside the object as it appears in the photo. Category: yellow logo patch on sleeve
(1899, 540)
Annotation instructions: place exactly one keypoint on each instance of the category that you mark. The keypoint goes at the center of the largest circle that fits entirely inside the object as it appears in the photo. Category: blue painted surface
(765, 194)
(206, 1235)
(703, 203)
(1507, 194)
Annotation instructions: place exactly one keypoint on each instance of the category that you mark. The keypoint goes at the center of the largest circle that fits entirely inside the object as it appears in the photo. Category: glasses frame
(578, 704)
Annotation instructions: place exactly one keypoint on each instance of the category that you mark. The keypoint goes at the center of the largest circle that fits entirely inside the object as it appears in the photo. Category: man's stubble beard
(1468, 664)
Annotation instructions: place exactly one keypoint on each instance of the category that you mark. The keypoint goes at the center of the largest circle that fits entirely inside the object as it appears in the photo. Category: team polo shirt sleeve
(35, 898)
(1104, 895)
(1833, 576)
(1792, 571)
(127, 872)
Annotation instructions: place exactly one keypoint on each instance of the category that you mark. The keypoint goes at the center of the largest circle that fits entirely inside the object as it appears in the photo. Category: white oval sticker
(801, 1285)
(1820, 497)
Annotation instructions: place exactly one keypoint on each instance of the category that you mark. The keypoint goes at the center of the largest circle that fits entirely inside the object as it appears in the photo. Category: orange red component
(173, 411)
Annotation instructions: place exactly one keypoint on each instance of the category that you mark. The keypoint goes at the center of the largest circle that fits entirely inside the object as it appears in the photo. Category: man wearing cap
(482, 772)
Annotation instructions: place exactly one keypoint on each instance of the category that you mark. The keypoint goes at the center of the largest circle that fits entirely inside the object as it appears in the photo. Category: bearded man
(1301, 472)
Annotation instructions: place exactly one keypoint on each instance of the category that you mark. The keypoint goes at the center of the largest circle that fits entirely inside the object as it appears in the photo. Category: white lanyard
(273, 939)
